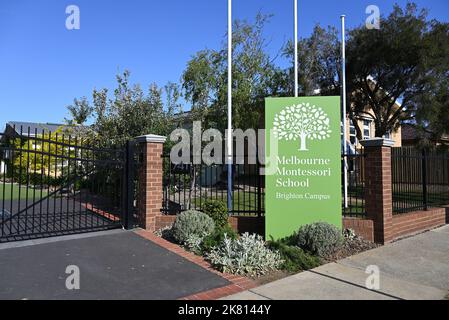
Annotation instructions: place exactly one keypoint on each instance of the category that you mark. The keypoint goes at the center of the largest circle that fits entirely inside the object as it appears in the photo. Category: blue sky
(43, 66)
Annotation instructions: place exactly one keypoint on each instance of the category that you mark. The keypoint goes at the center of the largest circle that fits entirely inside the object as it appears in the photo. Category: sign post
(303, 180)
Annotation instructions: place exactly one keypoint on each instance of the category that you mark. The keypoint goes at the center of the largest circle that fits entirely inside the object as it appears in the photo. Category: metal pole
(424, 179)
(343, 92)
(296, 46)
(229, 142)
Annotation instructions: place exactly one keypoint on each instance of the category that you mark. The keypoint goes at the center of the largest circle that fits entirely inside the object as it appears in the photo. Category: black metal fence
(189, 186)
(54, 184)
(420, 179)
(354, 206)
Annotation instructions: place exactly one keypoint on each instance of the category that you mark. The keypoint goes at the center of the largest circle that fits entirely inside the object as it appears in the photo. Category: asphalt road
(113, 265)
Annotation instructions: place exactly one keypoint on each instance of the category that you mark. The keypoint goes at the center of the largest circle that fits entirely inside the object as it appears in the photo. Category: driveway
(415, 268)
(113, 265)
(23, 219)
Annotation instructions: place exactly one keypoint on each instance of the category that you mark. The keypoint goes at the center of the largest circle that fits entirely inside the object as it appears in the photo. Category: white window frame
(352, 135)
(366, 127)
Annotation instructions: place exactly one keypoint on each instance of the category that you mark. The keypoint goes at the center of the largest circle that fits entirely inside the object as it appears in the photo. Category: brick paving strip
(100, 212)
(238, 283)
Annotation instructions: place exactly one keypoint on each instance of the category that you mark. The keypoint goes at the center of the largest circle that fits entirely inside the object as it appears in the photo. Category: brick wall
(362, 227)
(248, 224)
(239, 224)
(417, 221)
(401, 225)
(164, 221)
(378, 191)
(379, 226)
(149, 198)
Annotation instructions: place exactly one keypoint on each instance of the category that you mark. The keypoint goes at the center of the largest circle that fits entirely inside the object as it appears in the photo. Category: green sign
(303, 176)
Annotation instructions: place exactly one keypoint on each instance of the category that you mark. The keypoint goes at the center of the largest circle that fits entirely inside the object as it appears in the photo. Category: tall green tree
(432, 103)
(80, 111)
(405, 61)
(318, 63)
(255, 76)
(392, 64)
(129, 113)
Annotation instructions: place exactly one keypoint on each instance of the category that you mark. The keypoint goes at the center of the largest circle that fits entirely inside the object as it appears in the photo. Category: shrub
(295, 259)
(245, 255)
(321, 238)
(192, 223)
(218, 211)
(349, 234)
(165, 233)
(194, 243)
(217, 237)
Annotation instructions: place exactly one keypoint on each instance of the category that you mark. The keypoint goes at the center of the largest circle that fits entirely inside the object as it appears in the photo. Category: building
(16, 129)
(368, 131)
(411, 136)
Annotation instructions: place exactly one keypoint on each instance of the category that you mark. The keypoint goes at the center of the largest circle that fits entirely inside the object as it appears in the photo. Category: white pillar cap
(377, 142)
(151, 138)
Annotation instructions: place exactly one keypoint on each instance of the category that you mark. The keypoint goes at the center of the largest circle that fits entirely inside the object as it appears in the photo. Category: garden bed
(351, 247)
(209, 235)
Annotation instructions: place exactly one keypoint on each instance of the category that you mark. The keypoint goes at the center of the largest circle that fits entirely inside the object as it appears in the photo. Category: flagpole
(229, 136)
(343, 75)
(296, 46)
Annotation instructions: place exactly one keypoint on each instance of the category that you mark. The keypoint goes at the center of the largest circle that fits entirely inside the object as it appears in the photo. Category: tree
(37, 160)
(173, 94)
(130, 112)
(432, 103)
(318, 63)
(302, 121)
(402, 62)
(432, 116)
(389, 65)
(255, 77)
(80, 111)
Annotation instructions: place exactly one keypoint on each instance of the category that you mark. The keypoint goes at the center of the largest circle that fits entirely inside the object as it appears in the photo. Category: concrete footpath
(415, 268)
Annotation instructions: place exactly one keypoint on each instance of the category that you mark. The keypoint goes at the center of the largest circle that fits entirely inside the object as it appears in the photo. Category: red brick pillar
(149, 199)
(378, 189)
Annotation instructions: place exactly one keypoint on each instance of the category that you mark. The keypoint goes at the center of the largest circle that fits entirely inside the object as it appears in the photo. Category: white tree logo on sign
(302, 121)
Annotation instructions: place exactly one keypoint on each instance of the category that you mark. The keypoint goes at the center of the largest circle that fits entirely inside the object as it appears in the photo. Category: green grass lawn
(11, 192)
(247, 200)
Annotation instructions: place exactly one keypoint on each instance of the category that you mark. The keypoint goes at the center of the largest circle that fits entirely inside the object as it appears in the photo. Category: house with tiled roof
(412, 136)
(15, 129)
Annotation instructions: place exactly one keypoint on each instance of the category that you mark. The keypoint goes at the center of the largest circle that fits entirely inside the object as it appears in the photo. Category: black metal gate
(55, 184)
